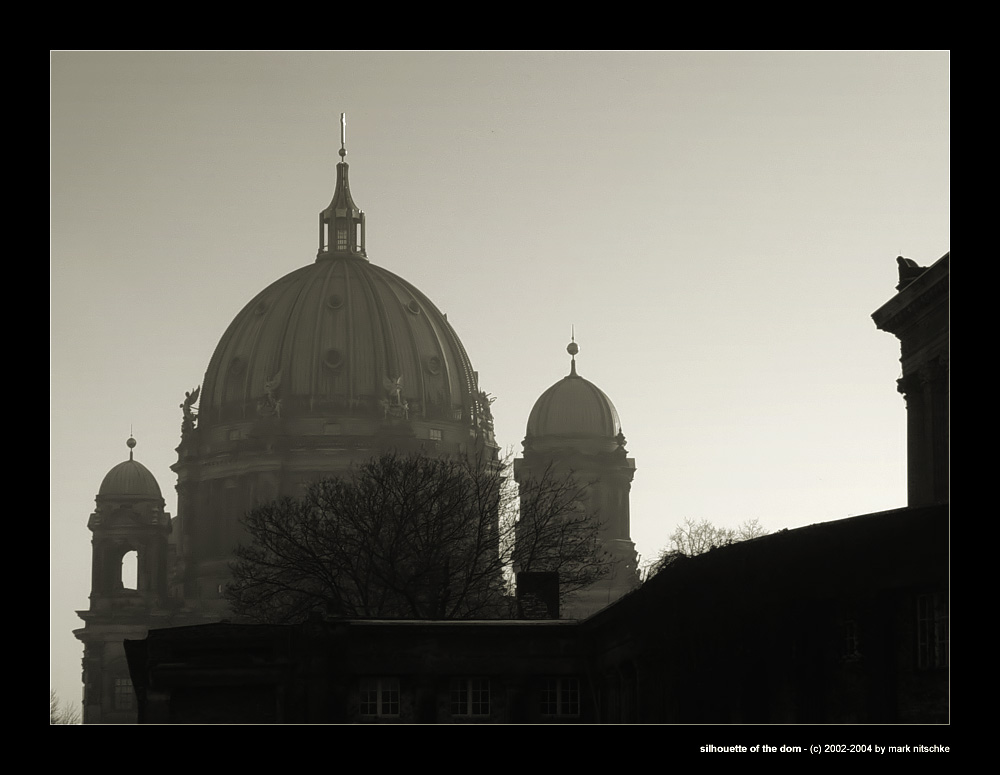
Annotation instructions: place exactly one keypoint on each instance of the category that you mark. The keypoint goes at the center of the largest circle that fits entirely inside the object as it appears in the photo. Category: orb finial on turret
(573, 348)
(130, 444)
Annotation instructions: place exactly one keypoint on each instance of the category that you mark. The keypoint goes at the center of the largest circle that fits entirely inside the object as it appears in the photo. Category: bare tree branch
(62, 714)
(694, 538)
(415, 537)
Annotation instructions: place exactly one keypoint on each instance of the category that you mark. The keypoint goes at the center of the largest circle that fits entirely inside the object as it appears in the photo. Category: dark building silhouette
(840, 622)
(918, 316)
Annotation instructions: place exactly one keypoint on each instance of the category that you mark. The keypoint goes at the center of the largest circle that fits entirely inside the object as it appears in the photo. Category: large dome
(333, 363)
(346, 342)
(338, 335)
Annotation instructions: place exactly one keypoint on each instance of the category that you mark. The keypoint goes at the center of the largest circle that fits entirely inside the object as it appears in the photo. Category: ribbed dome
(336, 335)
(573, 407)
(130, 479)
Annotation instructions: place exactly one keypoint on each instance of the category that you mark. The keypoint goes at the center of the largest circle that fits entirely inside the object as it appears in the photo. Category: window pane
(390, 697)
(470, 697)
(459, 698)
(378, 697)
(124, 695)
(561, 697)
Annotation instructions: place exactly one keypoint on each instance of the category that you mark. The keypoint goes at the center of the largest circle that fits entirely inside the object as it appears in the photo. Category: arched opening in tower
(130, 571)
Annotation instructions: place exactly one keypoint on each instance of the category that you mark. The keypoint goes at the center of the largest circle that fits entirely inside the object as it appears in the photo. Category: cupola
(573, 408)
(342, 223)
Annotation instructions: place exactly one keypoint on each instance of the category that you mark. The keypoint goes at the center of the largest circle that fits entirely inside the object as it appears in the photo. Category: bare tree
(62, 714)
(694, 538)
(413, 537)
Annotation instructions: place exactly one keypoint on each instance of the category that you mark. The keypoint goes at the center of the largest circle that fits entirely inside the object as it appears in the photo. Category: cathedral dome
(333, 363)
(339, 334)
(573, 407)
(342, 337)
(130, 479)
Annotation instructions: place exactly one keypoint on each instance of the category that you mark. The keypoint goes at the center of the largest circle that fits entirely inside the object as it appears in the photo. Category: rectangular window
(561, 697)
(435, 434)
(379, 697)
(850, 643)
(341, 239)
(932, 631)
(470, 697)
(124, 694)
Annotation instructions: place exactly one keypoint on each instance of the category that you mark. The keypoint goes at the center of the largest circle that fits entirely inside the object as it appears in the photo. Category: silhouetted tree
(62, 714)
(694, 538)
(412, 537)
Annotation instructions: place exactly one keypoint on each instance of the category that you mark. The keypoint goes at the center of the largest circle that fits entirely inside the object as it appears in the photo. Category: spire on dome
(342, 224)
(130, 443)
(573, 348)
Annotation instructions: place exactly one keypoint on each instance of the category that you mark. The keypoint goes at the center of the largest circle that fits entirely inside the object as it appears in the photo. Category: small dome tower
(128, 589)
(573, 426)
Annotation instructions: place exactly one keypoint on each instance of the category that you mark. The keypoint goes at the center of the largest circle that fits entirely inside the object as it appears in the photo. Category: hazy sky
(718, 226)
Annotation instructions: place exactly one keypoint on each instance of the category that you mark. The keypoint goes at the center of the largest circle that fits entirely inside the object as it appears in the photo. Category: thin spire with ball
(573, 348)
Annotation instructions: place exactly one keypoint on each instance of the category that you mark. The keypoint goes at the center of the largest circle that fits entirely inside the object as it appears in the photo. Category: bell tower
(574, 428)
(128, 588)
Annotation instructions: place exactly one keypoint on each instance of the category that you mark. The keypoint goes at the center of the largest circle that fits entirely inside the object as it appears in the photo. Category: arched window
(130, 570)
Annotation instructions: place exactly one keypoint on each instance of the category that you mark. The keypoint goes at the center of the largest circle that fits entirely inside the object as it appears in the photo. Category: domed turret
(128, 585)
(574, 411)
(574, 428)
(130, 479)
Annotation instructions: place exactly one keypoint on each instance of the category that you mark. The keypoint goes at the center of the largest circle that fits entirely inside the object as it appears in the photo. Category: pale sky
(718, 226)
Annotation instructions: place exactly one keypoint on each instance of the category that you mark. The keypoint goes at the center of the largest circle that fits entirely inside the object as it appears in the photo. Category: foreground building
(840, 622)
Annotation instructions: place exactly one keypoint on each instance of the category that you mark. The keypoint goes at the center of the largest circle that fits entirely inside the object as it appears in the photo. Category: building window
(850, 640)
(379, 697)
(124, 694)
(932, 631)
(470, 697)
(435, 434)
(561, 697)
(341, 239)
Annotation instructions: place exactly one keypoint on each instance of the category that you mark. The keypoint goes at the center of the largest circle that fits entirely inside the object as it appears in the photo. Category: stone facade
(919, 316)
